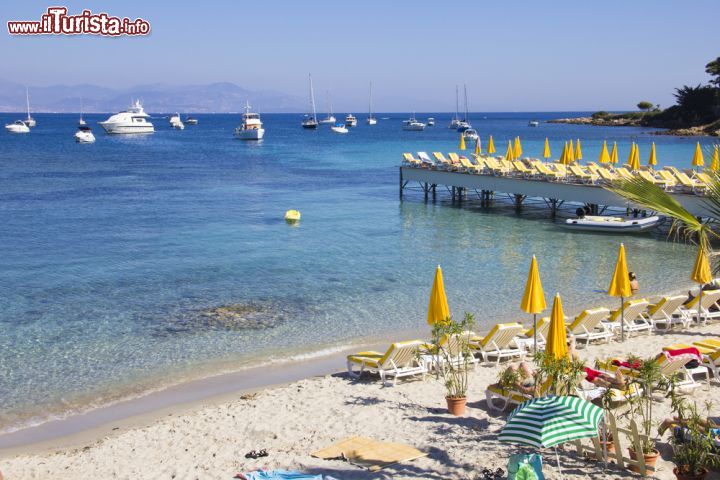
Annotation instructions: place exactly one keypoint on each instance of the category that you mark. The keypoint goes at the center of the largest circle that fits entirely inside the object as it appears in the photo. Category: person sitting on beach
(525, 382)
(634, 285)
(708, 286)
(572, 349)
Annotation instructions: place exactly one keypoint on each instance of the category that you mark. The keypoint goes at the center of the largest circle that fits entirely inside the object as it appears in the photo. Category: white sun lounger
(709, 298)
(525, 340)
(400, 360)
(588, 326)
(452, 350)
(632, 320)
(668, 312)
(425, 158)
(499, 342)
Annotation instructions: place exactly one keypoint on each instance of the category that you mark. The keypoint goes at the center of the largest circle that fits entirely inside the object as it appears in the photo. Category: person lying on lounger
(606, 380)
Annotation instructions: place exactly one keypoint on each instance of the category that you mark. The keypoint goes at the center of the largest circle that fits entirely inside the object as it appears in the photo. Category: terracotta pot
(650, 459)
(686, 476)
(456, 406)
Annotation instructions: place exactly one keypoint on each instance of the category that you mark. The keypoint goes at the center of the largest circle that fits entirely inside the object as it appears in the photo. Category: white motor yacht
(350, 120)
(133, 120)
(339, 128)
(413, 125)
(470, 134)
(613, 224)
(251, 126)
(430, 122)
(84, 134)
(18, 126)
(191, 121)
(176, 123)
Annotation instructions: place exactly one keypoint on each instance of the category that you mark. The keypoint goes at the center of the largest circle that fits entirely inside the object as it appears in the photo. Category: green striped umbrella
(548, 421)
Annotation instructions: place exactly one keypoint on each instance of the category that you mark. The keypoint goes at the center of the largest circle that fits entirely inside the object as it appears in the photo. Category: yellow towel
(369, 453)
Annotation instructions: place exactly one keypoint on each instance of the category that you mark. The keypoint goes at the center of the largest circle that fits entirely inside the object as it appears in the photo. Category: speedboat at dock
(594, 223)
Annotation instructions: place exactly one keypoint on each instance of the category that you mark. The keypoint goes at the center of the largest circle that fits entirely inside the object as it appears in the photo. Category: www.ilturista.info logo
(56, 21)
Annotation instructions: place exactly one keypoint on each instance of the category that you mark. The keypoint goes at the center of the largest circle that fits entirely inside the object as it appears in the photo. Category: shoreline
(698, 131)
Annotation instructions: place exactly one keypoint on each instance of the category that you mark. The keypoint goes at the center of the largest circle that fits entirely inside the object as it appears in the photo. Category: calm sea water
(111, 252)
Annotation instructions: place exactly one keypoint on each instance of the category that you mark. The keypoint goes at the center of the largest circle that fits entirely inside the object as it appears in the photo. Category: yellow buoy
(292, 216)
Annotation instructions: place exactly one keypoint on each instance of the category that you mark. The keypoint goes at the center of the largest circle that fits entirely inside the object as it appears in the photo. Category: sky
(514, 55)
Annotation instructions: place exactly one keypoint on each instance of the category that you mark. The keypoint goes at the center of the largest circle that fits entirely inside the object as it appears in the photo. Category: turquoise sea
(112, 253)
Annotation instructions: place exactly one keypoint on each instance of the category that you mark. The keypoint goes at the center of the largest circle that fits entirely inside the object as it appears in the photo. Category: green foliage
(564, 375)
(713, 69)
(645, 105)
(508, 379)
(600, 114)
(646, 378)
(452, 364)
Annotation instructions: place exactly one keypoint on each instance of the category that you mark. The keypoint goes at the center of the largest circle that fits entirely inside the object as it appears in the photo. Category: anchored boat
(613, 224)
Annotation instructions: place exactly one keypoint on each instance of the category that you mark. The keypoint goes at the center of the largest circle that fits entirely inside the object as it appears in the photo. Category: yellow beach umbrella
(477, 146)
(578, 150)
(438, 310)
(462, 142)
(715, 164)
(635, 163)
(701, 274)
(571, 152)
(491, 145)
(563, 154)
(604, 156)
(533, 300)
(620, 285)
(517, 148)
(698, 160)
(614, 154)
(652, 161)
(631, 155)
(556, 346)
(509, 154)
(546, 150)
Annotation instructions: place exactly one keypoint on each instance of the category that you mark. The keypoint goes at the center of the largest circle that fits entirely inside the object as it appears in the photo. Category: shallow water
(112, 251)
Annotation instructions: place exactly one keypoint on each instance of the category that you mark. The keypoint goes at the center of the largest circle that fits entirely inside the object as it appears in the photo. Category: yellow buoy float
(292, 216)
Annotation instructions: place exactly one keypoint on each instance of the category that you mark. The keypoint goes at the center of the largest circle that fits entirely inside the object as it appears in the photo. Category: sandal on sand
(251, 454)
(263, 453)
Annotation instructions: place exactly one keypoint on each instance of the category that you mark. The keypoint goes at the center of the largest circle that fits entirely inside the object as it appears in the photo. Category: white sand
(293, 420)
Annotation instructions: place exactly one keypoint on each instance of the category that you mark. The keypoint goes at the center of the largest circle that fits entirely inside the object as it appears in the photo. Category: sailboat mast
(466, 107)
(370, 102)
(312, 100)
(457, 102)
(27, 101)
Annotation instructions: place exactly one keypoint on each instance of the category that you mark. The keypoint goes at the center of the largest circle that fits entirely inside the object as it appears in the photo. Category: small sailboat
(176, 123)
(330, 118)
(464, 124)
(371, 119)
(251, 126)
(455, 122)
(311, 121)
(29, 121)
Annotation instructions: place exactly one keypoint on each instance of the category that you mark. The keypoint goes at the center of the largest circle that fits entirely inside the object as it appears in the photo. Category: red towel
(634, 365)
(685, 351)
(591, 374)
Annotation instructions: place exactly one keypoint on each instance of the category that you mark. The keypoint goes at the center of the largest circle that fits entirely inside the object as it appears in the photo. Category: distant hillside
(217, 97)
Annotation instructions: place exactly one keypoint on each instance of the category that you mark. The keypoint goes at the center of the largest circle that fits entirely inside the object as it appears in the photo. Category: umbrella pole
(622, 319)
(700, 306)
(535, 333)
(557, 457)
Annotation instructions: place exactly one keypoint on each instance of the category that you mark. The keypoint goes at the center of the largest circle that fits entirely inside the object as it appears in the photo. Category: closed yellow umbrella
(578, 150)
(462, 142)
(556, 346)
(477, 146)
(635, 163)
(620, 286)
(438, 310)
(533, 300)
(509, 152)
(631, 155)
(571, 152)
(701, 274)
(491, 145)
(517, 148)
(604, 156)
(614, 154)
(715, 164)
(563, 154)
(698, 160)
(652, 161)
(546, 150)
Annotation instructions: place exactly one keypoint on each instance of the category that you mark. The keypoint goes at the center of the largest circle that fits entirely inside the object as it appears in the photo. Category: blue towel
(280, 475)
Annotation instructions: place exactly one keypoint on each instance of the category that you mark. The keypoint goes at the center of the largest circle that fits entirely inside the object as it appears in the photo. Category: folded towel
(591, 375)
(685, 351)
(621, 363)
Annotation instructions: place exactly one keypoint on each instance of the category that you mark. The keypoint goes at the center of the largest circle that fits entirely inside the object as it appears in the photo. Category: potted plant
(646, 377)
(451, 347)
(608, 403)
(562, 375)
(692, 441)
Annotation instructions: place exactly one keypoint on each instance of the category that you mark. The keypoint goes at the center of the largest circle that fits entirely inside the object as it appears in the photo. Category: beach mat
(369, 453)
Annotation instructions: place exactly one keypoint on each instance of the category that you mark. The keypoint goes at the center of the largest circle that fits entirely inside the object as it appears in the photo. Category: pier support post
(401, 184)
(519, 200)
(425, 190)
(553, 206)
(434, 188)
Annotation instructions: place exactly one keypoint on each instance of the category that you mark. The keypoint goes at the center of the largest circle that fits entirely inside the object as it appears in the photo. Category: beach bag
(525, 467)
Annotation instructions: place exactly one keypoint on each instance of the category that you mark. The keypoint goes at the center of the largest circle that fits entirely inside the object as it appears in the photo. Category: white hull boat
(251, 126)
(430, 122)
(470, 134)
(132, 121)
(533, 123)
(17, 127)
(370, 120)
(350, 120)
(328, 120)
(613, 224)
(191, 121)
(84, 135)
(339, 129)
(311, 121)
(412, 125)
(176, 123)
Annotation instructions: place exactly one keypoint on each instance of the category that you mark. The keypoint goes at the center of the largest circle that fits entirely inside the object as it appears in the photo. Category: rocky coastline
(711, 129)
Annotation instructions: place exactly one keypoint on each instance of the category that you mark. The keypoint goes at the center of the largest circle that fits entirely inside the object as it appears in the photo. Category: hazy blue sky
(514, 55)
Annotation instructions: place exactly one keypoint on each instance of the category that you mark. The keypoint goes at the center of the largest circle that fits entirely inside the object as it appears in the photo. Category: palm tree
(685, 224)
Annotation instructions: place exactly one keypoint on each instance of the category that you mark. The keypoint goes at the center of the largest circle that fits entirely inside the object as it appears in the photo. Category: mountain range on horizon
(220, 97)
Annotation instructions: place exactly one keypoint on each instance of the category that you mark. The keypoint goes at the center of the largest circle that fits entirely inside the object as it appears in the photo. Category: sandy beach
(210, 440)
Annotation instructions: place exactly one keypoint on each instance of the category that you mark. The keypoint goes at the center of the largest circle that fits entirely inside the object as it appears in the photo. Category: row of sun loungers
(670, 178)
(514, 341)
